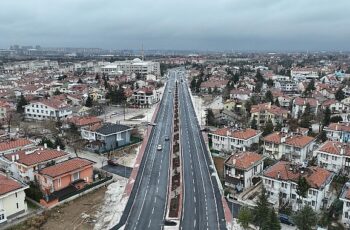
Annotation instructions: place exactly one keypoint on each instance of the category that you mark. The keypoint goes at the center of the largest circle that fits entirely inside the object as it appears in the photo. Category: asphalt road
(146, 207)
(202, 204)
(119, 170)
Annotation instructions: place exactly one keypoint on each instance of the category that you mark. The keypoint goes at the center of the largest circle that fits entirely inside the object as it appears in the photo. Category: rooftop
(244, 160)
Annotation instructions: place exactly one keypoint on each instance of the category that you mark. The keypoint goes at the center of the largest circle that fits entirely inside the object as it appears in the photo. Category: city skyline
(206, 26)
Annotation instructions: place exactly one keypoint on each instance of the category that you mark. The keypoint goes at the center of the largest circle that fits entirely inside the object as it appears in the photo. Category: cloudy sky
(269, 25)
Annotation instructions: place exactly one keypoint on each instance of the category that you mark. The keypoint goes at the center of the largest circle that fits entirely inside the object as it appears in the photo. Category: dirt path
(78, 214)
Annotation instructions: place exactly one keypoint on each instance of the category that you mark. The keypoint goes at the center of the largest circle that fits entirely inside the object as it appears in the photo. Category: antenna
(142, 53)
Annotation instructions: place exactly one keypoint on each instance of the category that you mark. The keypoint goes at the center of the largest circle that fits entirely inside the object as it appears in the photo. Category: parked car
(113, 162)
(159, 147)
(285, 219)
(166, 138)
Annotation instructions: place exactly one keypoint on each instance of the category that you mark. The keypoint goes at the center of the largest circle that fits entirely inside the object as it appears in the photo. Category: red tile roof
(269, 108)
(335, 147)
(339, 127)
(274, 137)
(299, 141)
(8, 184)
(84, 121)
(283, 170)
(303, 101)
(13, 144)
(244, 160)
(39, 156)
(67, 166)
(239, 134)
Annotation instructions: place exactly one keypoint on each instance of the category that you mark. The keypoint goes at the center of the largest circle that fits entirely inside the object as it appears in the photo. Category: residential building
(227, 139)
(264, 112)
(345, 197)
(338, 132)
(240, 169)
(107, 136)
(300, 74)
(47, 109)
(84, 122)
(15, 145)
(281, 180)
(334, 156)
(241, 94)
(299, 105)
(12, 198)
(145, 96)
(67, 176)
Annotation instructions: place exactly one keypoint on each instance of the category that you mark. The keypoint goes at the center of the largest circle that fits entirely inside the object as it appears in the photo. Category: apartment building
(14, 145)
(240, 169)
(345, 197)
(145, 96)
(264, 112)
(136, 65)
(338, 132)
(281, 182)
(47, 109)
(228, 140)
(299, 105)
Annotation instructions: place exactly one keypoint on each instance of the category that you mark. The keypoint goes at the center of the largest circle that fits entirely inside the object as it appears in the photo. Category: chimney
(13, 158)
(233, 161)
(342, 150)
(45, 145)
(58, 148)
(17, 157)
(278, 175)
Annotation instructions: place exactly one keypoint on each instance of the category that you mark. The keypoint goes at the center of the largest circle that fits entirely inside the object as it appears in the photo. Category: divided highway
(202, 203)
(146, 207)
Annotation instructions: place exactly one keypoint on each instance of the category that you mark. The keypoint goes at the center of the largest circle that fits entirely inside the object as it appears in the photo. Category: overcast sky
(269, 25)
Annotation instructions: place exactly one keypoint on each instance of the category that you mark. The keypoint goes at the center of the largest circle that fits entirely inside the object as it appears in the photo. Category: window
(59, 182)
(293, 196)
(346, 215)
(2, 217)
(17, 205)
(16, 194)
(313, 203)
(76, 176)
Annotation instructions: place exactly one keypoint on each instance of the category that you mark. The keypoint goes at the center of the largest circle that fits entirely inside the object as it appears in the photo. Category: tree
(21, 103)
(339, 95)
(245, 217)
(57, 92)
(305, 218)
(47, 141)
(326, 116)
(269, 97)
(59, 142)
(302, 187)
(277, 102)
(322, 136)
(211, 118)
(258, 86)
(278, 126)
(268, 128)
(248, 106)
(235, 78)
(269, 82)
(336, 119)
(261, 209)
(274, 222)
(80, 81)
(254, 124)
(193, 84)
(306, 117)
(309, 88)
(88, 102)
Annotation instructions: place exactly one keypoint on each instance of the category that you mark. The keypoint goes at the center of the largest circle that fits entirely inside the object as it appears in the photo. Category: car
(285, 219)
(113, 162)
(159, 147)
(166, 138)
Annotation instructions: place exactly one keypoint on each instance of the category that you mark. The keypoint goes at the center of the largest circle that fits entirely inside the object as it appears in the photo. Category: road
(202, 204)
(146, 207)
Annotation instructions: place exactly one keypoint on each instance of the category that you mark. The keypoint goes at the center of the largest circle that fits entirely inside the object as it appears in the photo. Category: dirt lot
(78, 214)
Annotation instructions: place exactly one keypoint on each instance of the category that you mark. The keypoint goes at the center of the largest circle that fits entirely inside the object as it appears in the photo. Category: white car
(159, 147)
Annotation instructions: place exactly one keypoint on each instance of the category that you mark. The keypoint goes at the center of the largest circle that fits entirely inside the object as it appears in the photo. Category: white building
(345, 197)
(145, 96)
(286, 86)
(12, 198)
(338, 132)
(241, 168)
(47, 109)
(133, 66)
(281, 180)
(227, 139)
(334, 156)
(300, 74)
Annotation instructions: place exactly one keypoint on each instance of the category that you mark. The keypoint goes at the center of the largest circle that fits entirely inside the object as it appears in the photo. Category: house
(299, 105)
(227, 139)
(281, 180)
(12, 198)
(84, 122)
(12, 146)
(23, 164)
(295, 146)
(264, 112)
(107, 136)
(333, 105)
(242, 94)
(338, 132)
(241, 168)
(334, 156)
(345, 197)
(47, 109)
(213, 84)
(62, 178)
(145, 96)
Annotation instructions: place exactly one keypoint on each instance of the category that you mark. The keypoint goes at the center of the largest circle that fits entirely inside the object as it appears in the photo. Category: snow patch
(113, 206)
